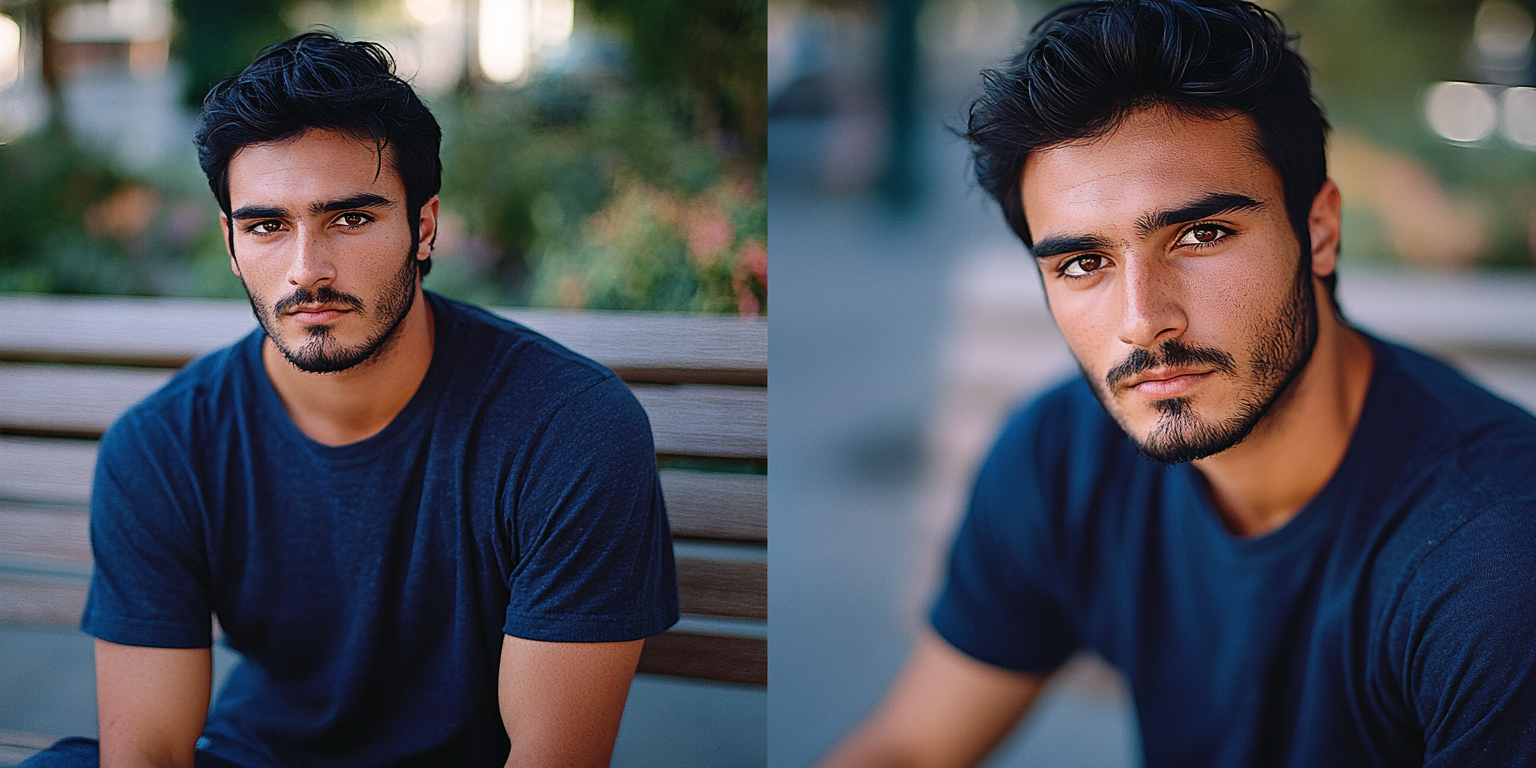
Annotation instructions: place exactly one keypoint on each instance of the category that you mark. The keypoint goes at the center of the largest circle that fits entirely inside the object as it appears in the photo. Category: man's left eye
(1204, 234)
(352, 220)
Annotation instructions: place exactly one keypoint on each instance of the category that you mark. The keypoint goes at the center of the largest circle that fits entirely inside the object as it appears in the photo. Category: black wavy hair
(319, 81)
(1088, 65)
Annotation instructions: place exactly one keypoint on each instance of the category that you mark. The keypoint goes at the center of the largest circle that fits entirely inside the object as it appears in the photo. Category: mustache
(1172, 354)
(322, 295)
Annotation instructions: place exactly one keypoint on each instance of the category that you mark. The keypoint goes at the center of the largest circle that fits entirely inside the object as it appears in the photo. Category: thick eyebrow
(1213, 204)
(1052, 247)
(246, 212)
(364, 200)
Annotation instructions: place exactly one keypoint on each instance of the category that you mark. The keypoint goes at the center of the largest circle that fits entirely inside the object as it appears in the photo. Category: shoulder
(499, 352)
(206, 391)
(1458, 458)
(521, 376)
(1460, 418)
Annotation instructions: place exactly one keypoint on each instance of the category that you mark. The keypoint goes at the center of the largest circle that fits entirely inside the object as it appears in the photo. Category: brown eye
(1203, 235)
(1082, 266)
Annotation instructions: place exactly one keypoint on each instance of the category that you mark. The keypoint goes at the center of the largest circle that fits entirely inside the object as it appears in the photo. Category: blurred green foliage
(79, 224)
(215, 40)
(715, 52)
(591, 194)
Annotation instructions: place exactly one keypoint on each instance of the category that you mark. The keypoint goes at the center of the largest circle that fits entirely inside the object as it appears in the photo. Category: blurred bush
(593, 195)
(76, 223)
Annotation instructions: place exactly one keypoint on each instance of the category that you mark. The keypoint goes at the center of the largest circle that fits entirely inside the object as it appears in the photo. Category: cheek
(1229, 297)
(1087, 323)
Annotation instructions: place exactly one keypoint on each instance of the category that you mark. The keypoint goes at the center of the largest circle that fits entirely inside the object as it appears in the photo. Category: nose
(1151, 310)
(311, 265)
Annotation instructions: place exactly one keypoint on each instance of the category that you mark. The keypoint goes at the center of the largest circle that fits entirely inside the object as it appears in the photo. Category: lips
(318, 314)
(1161, 383)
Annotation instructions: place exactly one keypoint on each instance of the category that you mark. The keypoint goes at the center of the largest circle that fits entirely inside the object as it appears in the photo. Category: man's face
(322, 244)
(1175, 276)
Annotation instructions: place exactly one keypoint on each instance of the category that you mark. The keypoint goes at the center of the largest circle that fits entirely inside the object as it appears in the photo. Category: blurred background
(598, 154)
(602, 154)
(909, 321)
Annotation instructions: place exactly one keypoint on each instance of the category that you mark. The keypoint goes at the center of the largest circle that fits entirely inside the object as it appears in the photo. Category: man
(1303, 546)
(437, 537)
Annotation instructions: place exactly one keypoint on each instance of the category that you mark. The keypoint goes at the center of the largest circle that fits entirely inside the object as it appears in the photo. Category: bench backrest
(70, 366)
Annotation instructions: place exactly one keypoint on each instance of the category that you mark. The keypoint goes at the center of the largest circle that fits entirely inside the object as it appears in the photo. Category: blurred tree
(715, 54)
(215, 40)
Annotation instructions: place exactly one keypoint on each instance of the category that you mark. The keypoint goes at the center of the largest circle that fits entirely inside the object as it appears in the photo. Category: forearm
(945, 710)
(872, 745)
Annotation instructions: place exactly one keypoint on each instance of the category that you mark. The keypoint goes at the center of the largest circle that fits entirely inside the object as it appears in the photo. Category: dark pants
(75, 752)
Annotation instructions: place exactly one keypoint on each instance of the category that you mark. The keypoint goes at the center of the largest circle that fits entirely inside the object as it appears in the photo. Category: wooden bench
(70, 366)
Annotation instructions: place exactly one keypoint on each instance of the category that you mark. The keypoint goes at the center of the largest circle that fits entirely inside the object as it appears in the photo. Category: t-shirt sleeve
(590, 527)
(150, 583)
(1464, 639)
(999, 603)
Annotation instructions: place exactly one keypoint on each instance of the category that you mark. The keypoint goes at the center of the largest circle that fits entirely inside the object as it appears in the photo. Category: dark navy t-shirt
(369, 585)
(1392, 622)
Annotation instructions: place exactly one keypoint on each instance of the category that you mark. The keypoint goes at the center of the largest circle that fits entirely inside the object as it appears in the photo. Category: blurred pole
(899, 183)
(53, 66)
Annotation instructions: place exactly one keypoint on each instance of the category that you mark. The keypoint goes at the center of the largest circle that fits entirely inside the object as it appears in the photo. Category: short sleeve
(999, 603)
(1467, 630)
(150, 586)
(594, 559)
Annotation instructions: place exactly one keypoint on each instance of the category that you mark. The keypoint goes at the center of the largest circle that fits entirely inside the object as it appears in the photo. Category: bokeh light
(1461, 112)
(1502, 29)
(429, 13)
(504, 38)
(1519, 116)
(10, 50)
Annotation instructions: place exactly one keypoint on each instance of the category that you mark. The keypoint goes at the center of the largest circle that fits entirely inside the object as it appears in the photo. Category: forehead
(316, 165)
(1154, 160)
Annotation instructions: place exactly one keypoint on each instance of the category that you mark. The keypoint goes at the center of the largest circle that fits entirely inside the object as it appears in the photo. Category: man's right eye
(264, 227)
(1082, 266)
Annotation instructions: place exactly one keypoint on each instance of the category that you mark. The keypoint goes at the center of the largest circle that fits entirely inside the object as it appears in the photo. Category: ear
(1323, 224)
(426, 228)
(234, 266)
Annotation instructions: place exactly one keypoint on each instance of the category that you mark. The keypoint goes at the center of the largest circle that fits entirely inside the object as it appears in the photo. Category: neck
(1263, 482)
(347, 406)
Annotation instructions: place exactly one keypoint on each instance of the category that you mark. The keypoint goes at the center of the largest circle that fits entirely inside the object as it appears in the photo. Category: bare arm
(151, 703)
(944, 710)
(561, 702)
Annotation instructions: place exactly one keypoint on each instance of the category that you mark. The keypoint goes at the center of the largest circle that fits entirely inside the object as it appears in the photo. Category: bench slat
(43, 535)
(707, 420)
(708, 657)
(689, 419)
(723, 588)
(71, 399)
(712, 505)
(46, 471)
(169, 332)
